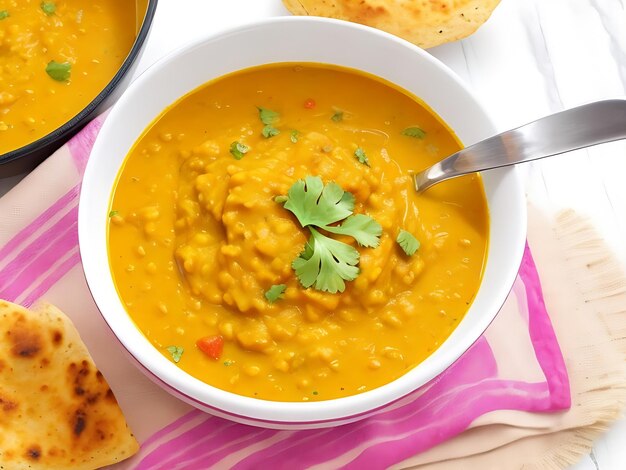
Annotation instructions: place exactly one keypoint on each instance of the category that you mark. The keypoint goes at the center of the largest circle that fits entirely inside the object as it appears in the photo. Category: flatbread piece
(426, 23)
(56, 409)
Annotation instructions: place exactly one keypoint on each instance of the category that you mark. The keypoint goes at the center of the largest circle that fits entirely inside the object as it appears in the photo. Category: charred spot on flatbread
(79, 423)
(24, 341)
(57, 337)
(33, 452)
(7, 404)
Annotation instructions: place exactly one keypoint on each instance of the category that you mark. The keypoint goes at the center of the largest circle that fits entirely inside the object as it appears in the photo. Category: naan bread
(56, 409)
(426, 23)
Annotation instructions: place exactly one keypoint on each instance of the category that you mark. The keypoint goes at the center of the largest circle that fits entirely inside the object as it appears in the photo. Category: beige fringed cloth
(584, 289)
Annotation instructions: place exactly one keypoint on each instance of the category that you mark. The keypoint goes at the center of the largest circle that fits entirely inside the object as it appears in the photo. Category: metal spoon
(576, 128)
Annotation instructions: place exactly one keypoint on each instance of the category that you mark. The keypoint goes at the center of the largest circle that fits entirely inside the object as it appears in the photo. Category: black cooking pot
(28, 157)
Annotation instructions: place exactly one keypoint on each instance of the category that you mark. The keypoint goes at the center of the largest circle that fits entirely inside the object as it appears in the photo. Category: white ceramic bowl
(296, 39)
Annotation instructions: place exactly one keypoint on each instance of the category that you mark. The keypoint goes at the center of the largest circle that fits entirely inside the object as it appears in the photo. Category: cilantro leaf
(365, 230)
(48, 8)
(326, 263)
(294, 136)
(359, 153)
(113, 213)
(4, 14)
(269, 131)
(337, 116)
(407, 242)
(414, 132)
(315, 204)
(59, 71)
(176, 352)
(267, 116)
(275, 292)
(238, 150)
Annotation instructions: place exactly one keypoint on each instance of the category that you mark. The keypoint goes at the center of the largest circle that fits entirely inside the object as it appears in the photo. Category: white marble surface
(532, 58)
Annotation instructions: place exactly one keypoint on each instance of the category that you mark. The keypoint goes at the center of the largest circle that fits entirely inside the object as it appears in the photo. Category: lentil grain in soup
(207, 239)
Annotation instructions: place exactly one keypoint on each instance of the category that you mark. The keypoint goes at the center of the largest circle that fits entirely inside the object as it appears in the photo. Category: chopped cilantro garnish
(4, 14)
(414, 132)
(176, 352)
(275, 292)
(408, 242)
(294, 136)
(361, 157)
(228, 363)
(314, 392)
(113, 213)
(315, 204)
(48, 8)
(326, 263)
(238, 150)
(269, 131)
(337, 116)
(267, 116)
(365, 230)
(59, 71)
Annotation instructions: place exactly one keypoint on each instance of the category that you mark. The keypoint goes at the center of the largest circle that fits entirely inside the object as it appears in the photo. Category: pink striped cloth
(516, 365)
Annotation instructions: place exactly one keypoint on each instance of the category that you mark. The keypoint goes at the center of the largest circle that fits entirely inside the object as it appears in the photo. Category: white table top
(532, 58)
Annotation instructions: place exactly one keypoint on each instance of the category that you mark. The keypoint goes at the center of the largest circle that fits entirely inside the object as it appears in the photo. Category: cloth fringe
(602, 284)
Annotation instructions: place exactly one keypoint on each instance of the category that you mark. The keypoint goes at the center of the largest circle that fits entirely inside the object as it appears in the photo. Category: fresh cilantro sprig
(59, 71)
(268, 117)
(337, 115)
(275, 292)
(365, 230)
(315, 204)
(176, 352)
(269, 131)
(238, 150)
(359, 153)
(415, 132)
(48, 8)
(325, 263)
(407, 242)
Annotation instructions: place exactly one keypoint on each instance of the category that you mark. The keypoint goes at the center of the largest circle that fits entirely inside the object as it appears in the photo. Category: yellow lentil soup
(56, 56)
(235, 268)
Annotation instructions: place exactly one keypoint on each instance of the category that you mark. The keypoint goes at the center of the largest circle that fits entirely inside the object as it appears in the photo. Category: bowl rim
(254, 410)
(66, 130)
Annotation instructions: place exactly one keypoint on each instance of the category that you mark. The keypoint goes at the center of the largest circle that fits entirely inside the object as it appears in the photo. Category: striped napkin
(516, 365)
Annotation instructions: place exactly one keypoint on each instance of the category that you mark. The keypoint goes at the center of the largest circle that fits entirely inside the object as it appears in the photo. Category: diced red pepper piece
(309, 104)
(212, 346)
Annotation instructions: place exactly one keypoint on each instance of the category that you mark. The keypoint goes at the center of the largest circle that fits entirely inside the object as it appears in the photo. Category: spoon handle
(576, 128)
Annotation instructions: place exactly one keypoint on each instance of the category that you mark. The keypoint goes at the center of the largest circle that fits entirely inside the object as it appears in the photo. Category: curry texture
(196, 237)
(93, 37)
